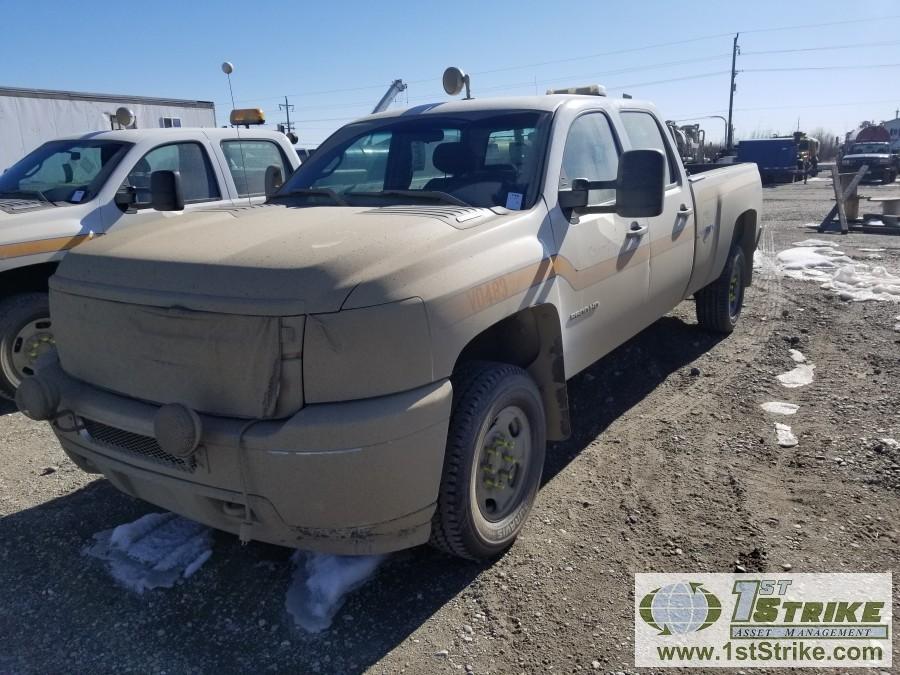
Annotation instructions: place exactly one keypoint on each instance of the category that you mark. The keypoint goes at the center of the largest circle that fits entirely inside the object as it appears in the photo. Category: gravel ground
(672, 466)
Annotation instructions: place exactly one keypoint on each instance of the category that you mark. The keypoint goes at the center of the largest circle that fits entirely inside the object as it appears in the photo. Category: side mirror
(125, 197)
(274, 180)
(575, 197)
(165, 191)
(641, 184)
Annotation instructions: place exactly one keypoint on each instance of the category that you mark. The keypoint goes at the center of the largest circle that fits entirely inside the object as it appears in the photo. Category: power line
(822, 49)
(858, 67)
(822, 25)
(589, 56)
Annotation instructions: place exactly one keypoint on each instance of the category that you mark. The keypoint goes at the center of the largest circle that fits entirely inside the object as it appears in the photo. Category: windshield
(870, 148)
(63, 171)
(485, 158)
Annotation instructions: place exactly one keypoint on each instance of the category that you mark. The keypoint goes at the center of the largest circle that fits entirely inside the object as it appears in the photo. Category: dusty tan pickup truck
(377, 356)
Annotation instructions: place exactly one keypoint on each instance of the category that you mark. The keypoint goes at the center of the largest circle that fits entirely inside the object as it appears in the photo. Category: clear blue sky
(174, 49)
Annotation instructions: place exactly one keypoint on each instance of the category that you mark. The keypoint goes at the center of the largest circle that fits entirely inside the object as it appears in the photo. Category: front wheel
(719, 304)
(493, 462)
(25, 334)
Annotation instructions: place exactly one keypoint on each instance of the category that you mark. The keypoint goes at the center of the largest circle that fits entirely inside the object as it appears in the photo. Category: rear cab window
(248, 160)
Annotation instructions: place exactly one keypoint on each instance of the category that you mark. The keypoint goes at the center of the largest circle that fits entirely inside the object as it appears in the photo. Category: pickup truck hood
(268, 260)
(866, 156)
(22, 221)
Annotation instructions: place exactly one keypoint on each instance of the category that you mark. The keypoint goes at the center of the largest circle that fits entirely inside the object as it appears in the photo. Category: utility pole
(729, 139)
(287, 107)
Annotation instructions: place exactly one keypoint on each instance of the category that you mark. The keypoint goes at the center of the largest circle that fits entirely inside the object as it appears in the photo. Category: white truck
(71, 190)
(377, 356)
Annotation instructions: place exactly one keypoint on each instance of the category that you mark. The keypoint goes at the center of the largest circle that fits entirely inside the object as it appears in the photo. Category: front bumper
(348, 478)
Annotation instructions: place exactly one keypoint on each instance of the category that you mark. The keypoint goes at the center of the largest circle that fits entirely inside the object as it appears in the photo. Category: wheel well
(31, 279)
(530, 339)
(745, 229)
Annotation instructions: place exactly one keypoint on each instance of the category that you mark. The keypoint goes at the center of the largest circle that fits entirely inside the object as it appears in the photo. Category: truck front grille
(136, 445)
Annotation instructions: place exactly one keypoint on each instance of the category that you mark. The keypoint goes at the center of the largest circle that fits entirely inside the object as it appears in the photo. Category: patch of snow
(834, 271)
(797, 356)
(785, 436)
(873, 250)
(815, 243)
(897, 325)
(800, 376)
(892, 443)
(780, 407)
(320, 584)
(154, 551)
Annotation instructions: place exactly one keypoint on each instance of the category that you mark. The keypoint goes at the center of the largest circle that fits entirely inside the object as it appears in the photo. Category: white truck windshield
(484, 159)
(63, 171)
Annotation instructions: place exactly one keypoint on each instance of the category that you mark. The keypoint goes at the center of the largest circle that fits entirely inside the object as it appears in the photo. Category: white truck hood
(37, 222)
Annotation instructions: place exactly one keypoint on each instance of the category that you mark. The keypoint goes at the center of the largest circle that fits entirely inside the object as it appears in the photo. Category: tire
(493, 463)
(719, 304)
(26, 311)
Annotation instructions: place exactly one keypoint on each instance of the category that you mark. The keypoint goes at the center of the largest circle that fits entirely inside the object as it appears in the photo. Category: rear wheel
(493, 462)
(719, 304)
(25, 334)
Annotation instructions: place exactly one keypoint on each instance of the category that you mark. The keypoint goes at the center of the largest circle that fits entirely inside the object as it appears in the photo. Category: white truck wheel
(719, 304)
(493, 462)
(24, 335)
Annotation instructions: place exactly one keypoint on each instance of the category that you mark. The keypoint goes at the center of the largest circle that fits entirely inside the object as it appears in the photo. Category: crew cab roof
(178, 133)
(548, 103)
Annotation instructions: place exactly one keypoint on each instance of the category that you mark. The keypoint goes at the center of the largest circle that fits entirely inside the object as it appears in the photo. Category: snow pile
(155, 551)
(815, 243)
(797, 356)
(780, 408)
(800, 376)
(320, 584)
(785, 436)
(821, 261)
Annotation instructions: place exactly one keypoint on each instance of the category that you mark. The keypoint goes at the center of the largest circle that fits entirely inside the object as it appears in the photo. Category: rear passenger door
(248, 160)
(602, 257)
(672, 232)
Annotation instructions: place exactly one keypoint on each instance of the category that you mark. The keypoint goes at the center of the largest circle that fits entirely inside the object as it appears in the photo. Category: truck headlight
(366, 352)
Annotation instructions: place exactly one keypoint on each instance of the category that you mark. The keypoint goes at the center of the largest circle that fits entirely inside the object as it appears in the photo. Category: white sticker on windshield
(77, 196)
(514, 201)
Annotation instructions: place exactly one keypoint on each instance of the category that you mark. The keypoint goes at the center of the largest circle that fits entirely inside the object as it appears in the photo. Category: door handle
(637, 230)
(685, 211)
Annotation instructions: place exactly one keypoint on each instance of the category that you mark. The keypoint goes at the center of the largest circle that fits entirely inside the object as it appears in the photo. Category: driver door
(199, 183)
(603, 258)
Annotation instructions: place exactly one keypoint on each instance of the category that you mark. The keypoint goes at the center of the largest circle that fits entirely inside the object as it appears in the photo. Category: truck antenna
(228, 69)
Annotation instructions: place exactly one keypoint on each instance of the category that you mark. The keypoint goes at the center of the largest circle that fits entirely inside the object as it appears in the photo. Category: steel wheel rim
(32, 340)
(499, 474)
(735, 292)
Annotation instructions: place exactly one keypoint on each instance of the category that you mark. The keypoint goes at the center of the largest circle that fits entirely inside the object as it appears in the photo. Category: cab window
(198, 182)
(591, 152)
(645, 134)
(248, 162)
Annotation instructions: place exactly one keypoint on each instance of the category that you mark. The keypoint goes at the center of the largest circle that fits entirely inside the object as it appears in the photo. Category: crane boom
(396, 87)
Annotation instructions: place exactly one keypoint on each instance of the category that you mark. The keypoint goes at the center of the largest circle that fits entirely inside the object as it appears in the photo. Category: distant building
(893, 127)
(30, 117)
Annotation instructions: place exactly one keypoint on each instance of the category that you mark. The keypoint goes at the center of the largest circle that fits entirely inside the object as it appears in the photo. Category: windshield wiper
(433, 195)
(26, 193)
(322, 192)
